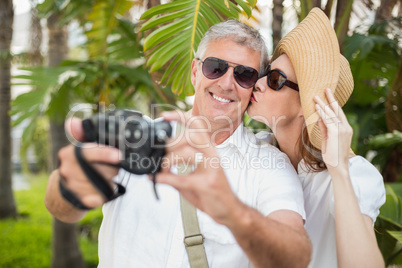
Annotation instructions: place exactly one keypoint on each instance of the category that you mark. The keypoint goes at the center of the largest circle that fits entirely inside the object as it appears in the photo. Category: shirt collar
(237, 140)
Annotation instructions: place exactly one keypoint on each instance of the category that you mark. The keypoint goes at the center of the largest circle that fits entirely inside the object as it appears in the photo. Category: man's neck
(221, 130)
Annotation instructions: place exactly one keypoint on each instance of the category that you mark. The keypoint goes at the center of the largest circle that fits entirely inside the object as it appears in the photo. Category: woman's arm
(355, 239)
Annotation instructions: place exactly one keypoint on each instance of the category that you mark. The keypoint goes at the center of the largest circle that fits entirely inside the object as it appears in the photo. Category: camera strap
(94, 177)
(193, 239)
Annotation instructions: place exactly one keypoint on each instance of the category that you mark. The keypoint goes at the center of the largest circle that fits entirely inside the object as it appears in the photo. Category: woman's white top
(318, 191)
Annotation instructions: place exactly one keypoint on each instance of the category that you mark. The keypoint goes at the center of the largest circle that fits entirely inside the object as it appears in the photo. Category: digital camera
(142, 141)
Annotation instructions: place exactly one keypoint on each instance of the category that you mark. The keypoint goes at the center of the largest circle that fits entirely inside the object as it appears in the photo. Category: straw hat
(313, 49)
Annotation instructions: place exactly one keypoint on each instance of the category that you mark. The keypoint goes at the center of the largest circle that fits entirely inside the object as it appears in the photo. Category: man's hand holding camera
(102, 158)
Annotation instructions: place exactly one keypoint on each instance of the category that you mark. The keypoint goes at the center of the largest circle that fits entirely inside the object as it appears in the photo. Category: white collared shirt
(139, 231)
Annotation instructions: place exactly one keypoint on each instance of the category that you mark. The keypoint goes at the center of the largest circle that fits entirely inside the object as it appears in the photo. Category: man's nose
(227, 81)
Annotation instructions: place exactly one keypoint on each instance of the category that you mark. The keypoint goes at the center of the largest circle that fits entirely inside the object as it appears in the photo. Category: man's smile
(221, 99)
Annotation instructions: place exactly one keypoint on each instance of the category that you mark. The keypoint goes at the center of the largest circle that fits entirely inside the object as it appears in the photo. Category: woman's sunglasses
(277, 79)
(214, 68)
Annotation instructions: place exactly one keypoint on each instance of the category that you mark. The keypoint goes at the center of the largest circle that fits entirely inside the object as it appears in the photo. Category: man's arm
(57, 205)
(76, 181)
(277, 240)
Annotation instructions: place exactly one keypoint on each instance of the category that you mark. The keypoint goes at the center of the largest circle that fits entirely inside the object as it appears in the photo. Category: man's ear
(194, 71)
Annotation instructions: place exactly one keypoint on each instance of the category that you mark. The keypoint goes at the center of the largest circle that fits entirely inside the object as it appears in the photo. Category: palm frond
(104, 19)
(125, 44)
(30, 105)
(48, 7)
(77, 10)
(181, 26)
(42, 80)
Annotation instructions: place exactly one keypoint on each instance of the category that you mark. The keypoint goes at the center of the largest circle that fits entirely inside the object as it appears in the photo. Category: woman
(342, 192)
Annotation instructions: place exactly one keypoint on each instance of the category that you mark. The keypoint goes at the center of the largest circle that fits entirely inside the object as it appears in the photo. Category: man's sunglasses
(214, 68)
(276, 79)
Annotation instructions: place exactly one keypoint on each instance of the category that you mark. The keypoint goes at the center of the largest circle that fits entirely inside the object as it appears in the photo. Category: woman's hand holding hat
(336, 132)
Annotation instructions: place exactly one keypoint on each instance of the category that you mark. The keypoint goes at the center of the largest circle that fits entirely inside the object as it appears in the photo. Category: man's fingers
(93, 152)
(101, 154)
(177, 115)
(108, 171)
(73, 127)
(93, 201)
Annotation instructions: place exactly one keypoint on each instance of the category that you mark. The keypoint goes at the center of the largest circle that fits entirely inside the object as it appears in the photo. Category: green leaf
(165, 8)
(179, 85)
(245, 6)
(27, 115)
(104, 20)
(391, 211)
(28, 131)
(73, 10)
(211, 17)
(252, 3)
(160, 58)
(396, 235)
(179, 65)
(155, 21)
(385, 140)
(166, 32)
(231, 13)
(171, 67)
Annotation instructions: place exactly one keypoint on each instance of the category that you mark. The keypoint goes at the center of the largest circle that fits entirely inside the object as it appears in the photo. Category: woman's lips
(252, 98)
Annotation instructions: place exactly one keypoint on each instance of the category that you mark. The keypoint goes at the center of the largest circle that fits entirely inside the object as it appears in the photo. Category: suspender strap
(193, 239)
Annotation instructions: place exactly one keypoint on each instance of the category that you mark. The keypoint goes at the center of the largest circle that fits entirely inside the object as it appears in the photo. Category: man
(249, 215)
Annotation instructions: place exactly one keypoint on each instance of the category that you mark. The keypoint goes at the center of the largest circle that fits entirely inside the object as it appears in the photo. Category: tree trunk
(393, 111)
(317, 3)
(328, 8)
(305, 7)
(277, 17)
(7, 203)
(343, 12)
(66, 252)
(35, 38)
(393, 105)
(153, 3)
(393, 116)
(384, 11)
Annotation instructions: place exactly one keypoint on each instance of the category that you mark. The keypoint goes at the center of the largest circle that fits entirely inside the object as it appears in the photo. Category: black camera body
(141, 141)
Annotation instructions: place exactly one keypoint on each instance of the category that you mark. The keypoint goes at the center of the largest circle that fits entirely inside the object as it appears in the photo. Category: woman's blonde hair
(311, 155)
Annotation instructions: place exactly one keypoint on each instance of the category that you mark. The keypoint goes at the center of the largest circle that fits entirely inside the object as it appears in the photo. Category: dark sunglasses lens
(275, 80)
(214, 68)
(245, 76)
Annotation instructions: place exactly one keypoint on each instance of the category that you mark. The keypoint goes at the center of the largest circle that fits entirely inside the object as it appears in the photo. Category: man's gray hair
(237, 32)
